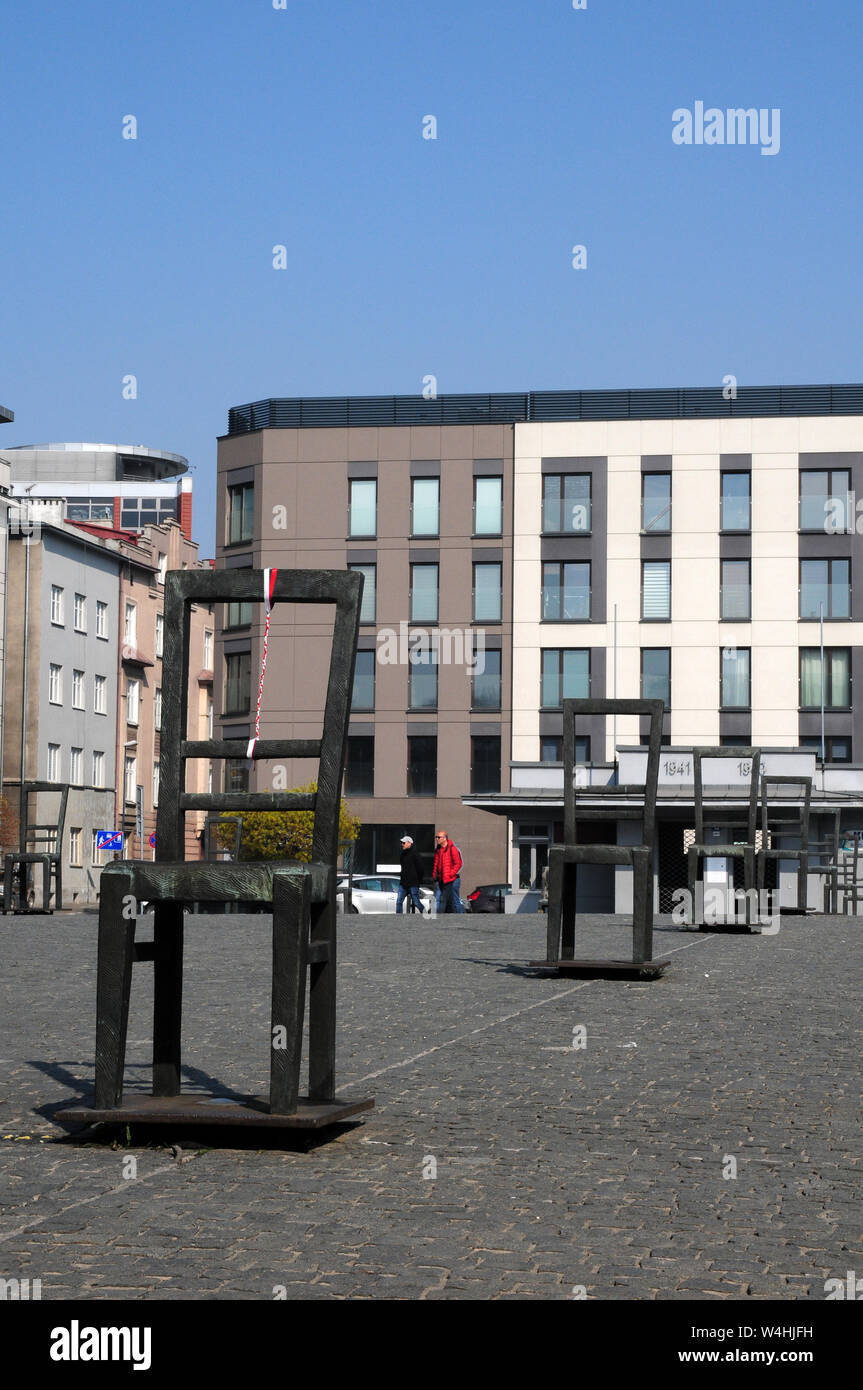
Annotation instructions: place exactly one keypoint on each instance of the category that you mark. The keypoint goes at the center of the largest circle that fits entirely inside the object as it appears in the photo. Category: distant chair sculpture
(825, 855)
(579, 804)
(744, 850)
(302, 895)
(49, 835)
(774, 827)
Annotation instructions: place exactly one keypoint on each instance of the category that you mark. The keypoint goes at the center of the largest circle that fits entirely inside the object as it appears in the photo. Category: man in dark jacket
(411, 876)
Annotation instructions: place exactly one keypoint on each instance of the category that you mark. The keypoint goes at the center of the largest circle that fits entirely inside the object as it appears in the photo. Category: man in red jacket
(446, 871)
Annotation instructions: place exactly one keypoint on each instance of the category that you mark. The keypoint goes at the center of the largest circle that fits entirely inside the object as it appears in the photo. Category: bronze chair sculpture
(774, 827)
(302, 895)
(745, 850)
(39, 844)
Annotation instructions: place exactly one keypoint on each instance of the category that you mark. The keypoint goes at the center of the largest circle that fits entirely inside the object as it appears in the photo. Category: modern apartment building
(660, 543)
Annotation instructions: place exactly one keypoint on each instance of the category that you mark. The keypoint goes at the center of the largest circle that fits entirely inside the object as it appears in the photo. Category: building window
(487, 506)
(736, 598)
(736, 508)
(78, 694)
(363, 696)
(566, 591)
(101, 618)
(551, 748)
(735, 671)
(565, 675)
(208, 650)
(238, 614)
(825, 504)
(160, 634)
(75, 847)
(130, 777)
(80, 613)
(485, 763)
(655, 502)
(55, 684)
(362, 520)
(157, 710)
(486, 679)
(147, 511)
(424, 594)
(155, 784)
(837, 749)
(98, 768)
(655, 590)
(163, 565)
(656, 674)
(368, 606)
(57, 605)
(238, 677)
(825, 587)
(100, 695)
(90, 509)
(95, 852)
(130, 624)
(76, 767)
(566, 503)
(425, 506)
(422, 680)
(837, 677)
(53, 762)
(236, 775)
(487, 592)
(360, 766)
(422, 765)
(241, 513)
(133, 694)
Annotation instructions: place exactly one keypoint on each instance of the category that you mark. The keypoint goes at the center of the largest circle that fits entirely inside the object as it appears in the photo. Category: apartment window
(130, 624)
(101, 618)
(836, 749)
(363, 507)
(57, 605)
(837, 677)
(656, 674)
(485, 763)
(368, 607)
(425, 506)
(55, 684)
(655, 502)
(130, 777)
(551, 748)
(486, 680)
(735, 677)
(487, 592)
(825, 587)
(155, 784)
(90, 509)
(208, 650)
(238, 614)
(424, 594)
(422, 681)
(98, 768)
(422, 765)
(76, 767)
(241, 513)
(160, 634)
(824, 501)
(78, 690)
(360, 766)
(53, 762)
(133, 695)
(157, 710)
(566, 503)
(100, 695)
(363, 696)
(75, 847)
(80, 613)
(736, 597)
(655, 590)
(238, 676)
(566, 591)
(95, 852)
(565, 675)
(736, 506)
(163, 565)
(487, 506)
(236, 775)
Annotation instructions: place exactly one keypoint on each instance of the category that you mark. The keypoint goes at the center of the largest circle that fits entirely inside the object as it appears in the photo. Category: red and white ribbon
(269, 587)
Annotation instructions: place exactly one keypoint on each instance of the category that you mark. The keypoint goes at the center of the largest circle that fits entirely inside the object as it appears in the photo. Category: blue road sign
(153, 841)
(110, 840)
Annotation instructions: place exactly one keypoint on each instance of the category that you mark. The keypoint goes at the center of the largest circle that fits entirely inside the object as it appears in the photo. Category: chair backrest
(47, 836)
(782, 789)
(342, 588)
(646, 812)
(752, 755)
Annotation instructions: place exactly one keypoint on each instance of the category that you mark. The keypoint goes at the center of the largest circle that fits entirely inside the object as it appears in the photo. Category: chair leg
(555, 885)
(58, 885)
(291, 925)
(751, 919)
(642, 905)
(46, 885)
(322, 1001)
(567, 911)
(113, 986)
(691, 877)
(8, 882)
(167, 997)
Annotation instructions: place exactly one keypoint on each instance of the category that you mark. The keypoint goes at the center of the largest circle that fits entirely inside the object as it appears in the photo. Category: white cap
(407, 839)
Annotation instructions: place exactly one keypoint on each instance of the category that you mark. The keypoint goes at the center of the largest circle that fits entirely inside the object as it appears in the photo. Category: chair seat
(596, 854)
(721, 851)
(198, 881)
(32, 856)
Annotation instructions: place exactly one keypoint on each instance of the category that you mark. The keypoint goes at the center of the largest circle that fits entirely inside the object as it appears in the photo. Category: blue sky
(406, 256)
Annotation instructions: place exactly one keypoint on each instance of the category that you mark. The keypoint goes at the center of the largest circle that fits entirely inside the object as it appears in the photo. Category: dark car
(488, 898)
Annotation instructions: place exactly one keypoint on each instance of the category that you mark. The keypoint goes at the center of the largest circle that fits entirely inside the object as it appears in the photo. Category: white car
(377, 893)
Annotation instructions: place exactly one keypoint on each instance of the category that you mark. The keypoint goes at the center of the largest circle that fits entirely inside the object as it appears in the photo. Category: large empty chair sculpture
(723, 809)
(302, 895)
(563, 860)
(40, 844)
(778, 791)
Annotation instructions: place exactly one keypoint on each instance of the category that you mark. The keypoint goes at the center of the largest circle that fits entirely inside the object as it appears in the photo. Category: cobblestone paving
(556, 1170)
